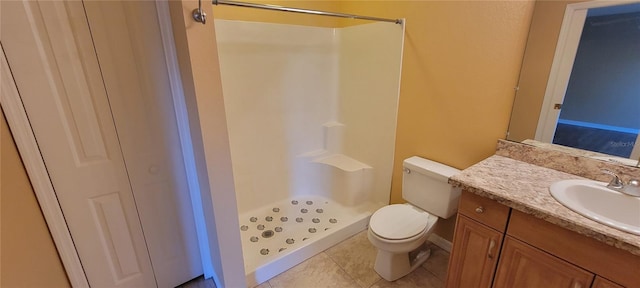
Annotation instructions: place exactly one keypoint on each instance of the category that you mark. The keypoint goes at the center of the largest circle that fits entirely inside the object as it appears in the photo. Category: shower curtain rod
(199, 16)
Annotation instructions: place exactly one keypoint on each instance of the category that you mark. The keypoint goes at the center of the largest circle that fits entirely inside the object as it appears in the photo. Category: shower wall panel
(370, 61)
(280, 85)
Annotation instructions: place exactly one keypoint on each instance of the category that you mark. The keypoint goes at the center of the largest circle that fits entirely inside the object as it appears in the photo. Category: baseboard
(440, 242)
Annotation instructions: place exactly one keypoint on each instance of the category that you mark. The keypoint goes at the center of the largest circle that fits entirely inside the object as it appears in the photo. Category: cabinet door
(522, 265)
(474, 255)
(604, 283)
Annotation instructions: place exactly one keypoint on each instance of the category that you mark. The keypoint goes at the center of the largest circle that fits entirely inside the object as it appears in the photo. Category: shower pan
(288, 231)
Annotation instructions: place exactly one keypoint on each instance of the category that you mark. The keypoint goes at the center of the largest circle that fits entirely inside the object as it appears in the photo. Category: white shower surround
(310, 110)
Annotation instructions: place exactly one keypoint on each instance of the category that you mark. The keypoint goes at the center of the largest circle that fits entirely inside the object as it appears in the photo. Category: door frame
(184, 131)
(39, 177)
(563, 59)
(29, 151)
(568, 41)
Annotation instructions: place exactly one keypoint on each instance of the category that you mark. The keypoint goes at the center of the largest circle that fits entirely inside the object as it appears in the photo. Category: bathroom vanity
(510, 232)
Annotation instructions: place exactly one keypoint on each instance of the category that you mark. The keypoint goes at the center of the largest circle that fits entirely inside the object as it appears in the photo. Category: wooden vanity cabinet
(600, 282)
(477, 248)
(522, 265)
(495, 246)
(477, 241)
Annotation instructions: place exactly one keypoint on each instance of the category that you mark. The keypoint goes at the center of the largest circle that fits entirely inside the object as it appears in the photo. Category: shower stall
(311, 115)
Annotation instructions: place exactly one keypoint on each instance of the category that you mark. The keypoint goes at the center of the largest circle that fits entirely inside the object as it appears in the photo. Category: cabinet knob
(480, 209)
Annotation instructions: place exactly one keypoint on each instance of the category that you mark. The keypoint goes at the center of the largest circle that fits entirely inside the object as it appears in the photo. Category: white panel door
(50, 52)
(129, 50)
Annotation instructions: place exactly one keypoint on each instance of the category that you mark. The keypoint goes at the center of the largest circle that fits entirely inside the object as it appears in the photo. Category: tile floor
(350, 265)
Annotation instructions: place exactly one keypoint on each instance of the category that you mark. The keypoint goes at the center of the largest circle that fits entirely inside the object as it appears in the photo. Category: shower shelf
(342, 162)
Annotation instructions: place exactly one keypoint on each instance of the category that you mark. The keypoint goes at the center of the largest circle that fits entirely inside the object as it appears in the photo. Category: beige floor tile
(357, 257)
(317, 272)
(264, 285)
(350, 265)
(437, 262)
(418, 278)
(199, 282)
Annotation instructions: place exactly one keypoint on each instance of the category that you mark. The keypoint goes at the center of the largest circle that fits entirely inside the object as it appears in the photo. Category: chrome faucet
(631, 188)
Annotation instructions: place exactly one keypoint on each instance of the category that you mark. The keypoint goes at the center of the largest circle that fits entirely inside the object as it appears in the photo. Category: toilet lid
(398, 221)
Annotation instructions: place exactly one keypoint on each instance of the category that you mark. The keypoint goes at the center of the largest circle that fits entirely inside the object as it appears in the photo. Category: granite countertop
(525, 187)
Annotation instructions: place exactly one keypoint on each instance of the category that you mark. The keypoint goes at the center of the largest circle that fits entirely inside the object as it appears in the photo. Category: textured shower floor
(280, 235)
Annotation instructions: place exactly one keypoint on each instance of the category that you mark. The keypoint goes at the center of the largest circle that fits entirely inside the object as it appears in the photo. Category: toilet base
(392, 266)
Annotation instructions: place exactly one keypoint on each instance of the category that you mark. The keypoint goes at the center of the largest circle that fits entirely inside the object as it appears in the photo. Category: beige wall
(536, 66)
(29, 257)
(461, 64)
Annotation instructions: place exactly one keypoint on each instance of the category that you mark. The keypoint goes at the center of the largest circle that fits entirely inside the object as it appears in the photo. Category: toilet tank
(424, 185)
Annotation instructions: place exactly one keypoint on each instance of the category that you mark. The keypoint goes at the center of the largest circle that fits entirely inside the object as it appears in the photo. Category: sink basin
(595, 201)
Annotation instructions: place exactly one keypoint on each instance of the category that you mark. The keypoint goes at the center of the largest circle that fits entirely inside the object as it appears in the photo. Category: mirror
(546, 73)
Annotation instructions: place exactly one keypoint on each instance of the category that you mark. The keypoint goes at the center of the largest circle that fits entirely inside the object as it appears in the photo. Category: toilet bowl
(399, 231)
(396, 230)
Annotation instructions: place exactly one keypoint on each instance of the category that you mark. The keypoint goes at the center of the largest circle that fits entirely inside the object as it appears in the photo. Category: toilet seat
(398, 222)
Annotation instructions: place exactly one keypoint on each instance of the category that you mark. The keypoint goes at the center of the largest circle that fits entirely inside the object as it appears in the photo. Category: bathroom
(460, 66)
(473, 117)
(426, 79)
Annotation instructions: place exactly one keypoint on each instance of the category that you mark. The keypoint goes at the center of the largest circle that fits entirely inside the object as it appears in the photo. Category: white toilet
(399, 230)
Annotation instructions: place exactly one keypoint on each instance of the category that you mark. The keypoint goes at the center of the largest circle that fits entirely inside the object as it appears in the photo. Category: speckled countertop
(525, 187)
